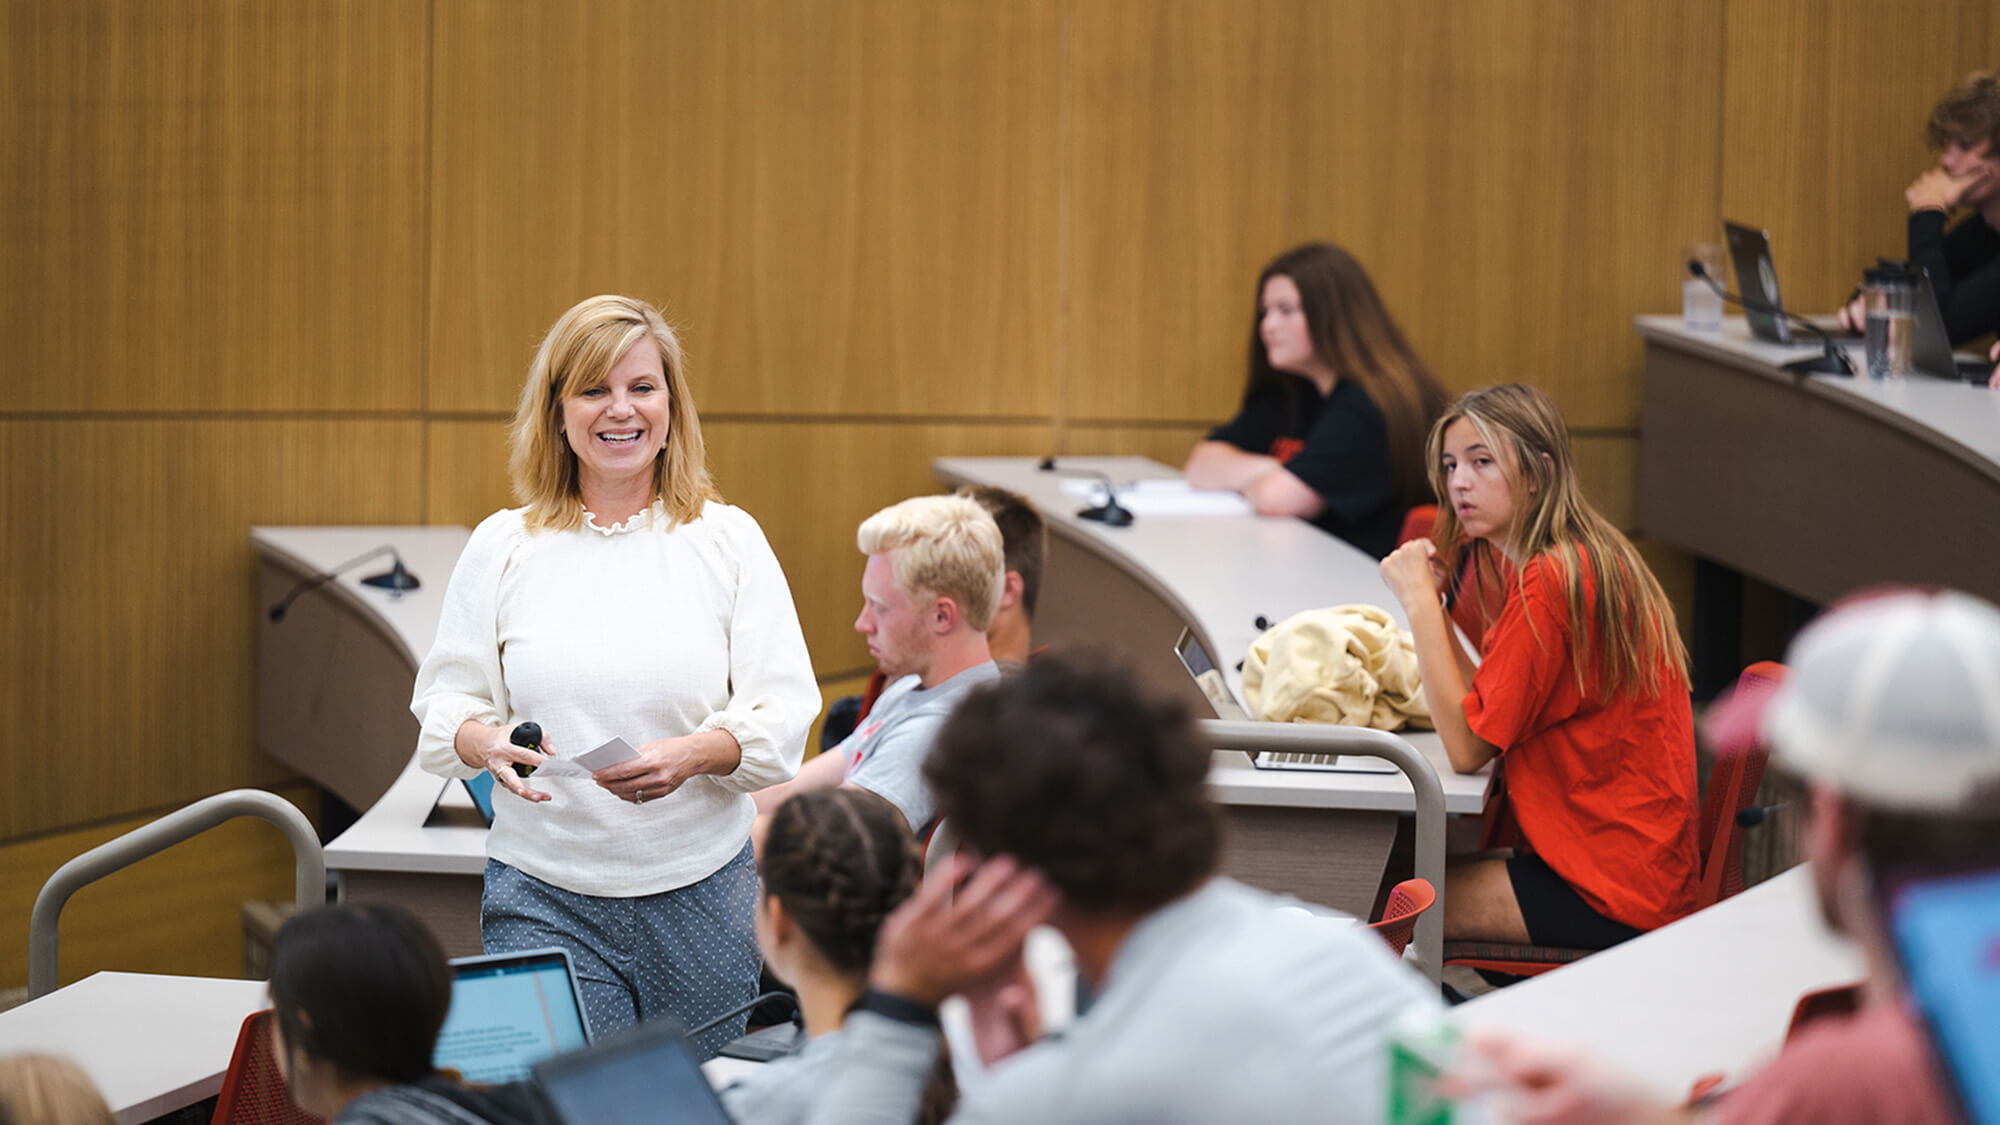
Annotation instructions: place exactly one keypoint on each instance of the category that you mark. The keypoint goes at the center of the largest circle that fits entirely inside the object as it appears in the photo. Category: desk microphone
(1110, 513)
(1833, 362)
(396, 579)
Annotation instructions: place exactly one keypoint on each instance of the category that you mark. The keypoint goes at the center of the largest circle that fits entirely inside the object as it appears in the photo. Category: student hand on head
(1939, 190)
(943, 941)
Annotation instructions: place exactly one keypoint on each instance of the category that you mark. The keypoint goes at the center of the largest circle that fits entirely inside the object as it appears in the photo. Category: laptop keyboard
(1323, 763)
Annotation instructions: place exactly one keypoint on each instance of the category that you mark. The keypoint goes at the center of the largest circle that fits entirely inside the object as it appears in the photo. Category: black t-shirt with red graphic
(1338, 445)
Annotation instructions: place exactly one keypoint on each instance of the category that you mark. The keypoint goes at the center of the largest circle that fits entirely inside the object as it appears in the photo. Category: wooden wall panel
(809, 484)
(179, 912)
(212, 205)
(851, 206)
(1518, 178)
(1823, 129)
(1167, 444)
(128, 608)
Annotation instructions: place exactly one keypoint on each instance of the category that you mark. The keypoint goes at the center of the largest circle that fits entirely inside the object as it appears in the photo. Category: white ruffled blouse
(639, 631)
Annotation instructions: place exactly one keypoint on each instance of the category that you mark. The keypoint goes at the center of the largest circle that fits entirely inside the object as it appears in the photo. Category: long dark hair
(1353, 333)
(364, 988)
(840, 860)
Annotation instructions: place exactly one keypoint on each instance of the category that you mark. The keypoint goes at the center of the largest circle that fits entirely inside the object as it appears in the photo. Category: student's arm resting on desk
(1222, 467)
(1441, 660)
(1545, 1085)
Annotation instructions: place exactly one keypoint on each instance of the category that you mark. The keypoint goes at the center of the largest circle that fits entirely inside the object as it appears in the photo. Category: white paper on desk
(1163, 496)
(589, 762)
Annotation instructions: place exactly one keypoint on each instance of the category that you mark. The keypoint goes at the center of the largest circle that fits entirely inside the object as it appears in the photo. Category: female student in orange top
(1582, 692)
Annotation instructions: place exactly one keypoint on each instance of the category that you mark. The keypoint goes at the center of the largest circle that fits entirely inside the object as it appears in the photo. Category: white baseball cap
(1895, 701)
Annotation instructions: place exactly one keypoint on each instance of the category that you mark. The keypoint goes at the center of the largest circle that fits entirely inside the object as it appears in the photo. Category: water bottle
(1889, 298)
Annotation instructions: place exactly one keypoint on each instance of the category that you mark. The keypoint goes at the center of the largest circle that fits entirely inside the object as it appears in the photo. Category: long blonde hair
(577, 354)
(1630, 617)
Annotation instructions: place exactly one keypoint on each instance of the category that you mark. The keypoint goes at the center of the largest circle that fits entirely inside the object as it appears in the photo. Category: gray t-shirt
(782, 1090)
(886, 753)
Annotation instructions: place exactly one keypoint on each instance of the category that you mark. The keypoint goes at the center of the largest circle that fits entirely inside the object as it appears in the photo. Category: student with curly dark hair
(1211, 1004)
(835, 862)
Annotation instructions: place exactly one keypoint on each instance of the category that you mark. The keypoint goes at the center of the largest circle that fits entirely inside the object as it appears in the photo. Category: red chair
(1732, 787)
(253, 1091)
(1407, 902)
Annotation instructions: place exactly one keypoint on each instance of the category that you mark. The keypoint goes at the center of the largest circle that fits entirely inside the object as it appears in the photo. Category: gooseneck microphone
(1834, 361)
(1110, 513)
(396, 579)
(740, 1009)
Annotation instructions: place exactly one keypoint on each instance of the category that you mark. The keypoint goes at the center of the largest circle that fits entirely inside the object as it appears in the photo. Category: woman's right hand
(490, 748)
(1411, 574)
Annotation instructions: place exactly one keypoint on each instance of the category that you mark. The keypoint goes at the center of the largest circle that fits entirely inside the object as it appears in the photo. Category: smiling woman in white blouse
(624, 599)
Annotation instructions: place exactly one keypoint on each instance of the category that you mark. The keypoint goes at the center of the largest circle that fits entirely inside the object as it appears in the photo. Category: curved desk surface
(1709, 994)
(1816, 484)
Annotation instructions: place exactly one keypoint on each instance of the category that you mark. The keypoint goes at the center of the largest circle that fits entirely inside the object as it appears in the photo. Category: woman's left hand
(666, 764)
(1410, 572)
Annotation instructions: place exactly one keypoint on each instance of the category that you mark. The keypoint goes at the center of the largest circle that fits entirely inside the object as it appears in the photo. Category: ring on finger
(640, 798)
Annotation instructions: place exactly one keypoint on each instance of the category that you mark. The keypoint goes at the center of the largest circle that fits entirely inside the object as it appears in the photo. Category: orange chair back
(1407, 902)
(1740, 757)
(253, 1092)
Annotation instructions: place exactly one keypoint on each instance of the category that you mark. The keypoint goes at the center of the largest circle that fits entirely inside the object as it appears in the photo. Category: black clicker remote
(528, 735)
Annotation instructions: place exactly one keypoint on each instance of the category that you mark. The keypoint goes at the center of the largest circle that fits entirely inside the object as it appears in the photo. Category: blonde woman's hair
(577, 354)
(947, 546)
(1630, 618)
(45, 1090)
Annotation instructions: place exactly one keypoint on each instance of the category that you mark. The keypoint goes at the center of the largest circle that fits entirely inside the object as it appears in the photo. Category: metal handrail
(1427, 944)
(150, 839)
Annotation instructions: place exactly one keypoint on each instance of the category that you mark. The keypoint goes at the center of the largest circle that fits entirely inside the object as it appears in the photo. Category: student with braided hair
(834, 863)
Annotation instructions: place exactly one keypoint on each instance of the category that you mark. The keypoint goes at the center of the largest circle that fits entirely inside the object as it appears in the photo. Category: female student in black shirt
(1336, 407)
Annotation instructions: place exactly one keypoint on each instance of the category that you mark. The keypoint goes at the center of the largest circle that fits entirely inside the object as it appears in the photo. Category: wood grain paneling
(1517, 177)
(177, 912)
(211, 204)
(851, 206)
(1823, 130)
(127, 606)
(465, 472)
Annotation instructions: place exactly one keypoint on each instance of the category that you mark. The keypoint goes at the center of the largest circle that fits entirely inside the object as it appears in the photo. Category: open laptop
(644, 1075)
(510, 1011)
(1757, 280)
(1930, 348)
(1208, 677)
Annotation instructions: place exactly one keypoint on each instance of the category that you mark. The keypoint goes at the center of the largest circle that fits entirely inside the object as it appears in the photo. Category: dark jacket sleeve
(1964, 268)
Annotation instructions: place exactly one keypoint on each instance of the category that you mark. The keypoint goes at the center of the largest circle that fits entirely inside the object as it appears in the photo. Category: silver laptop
(1215, 688)
(510, 1011)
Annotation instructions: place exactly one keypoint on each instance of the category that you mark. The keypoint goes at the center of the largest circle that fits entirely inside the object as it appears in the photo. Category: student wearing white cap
(1891, 718)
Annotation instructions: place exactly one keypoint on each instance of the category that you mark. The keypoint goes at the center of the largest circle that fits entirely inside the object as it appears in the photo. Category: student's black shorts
(1556, 915)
